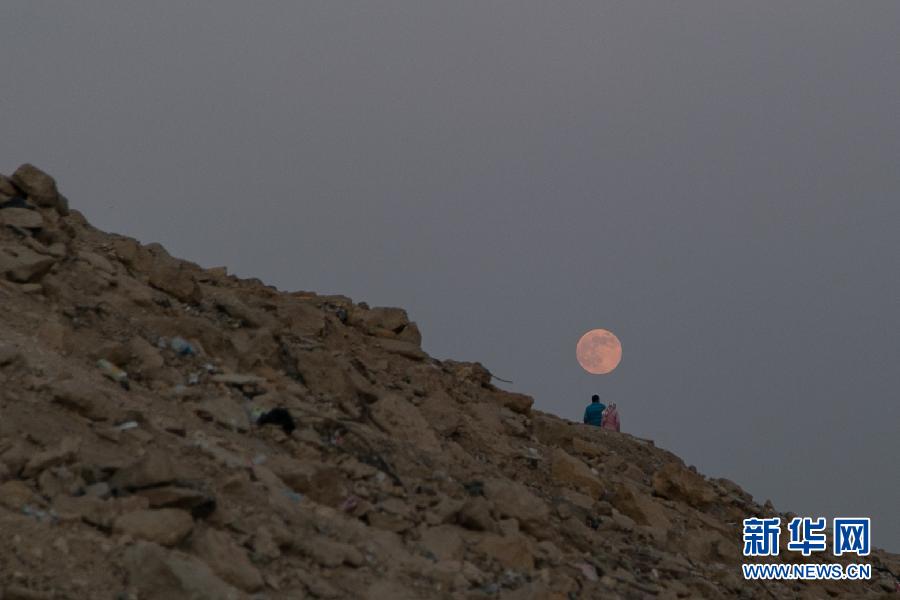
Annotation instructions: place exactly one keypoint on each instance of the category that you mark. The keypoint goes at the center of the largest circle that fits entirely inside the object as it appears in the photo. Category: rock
(31, 288)
(587, 448)
(187, 499)
(54, 334)
(39, 186)
(166, 526)
(118, 353)
(65, 452)
(265, 547)
(152, 469)
(582, 501)
(237, 379)
(62, 206)
(640, 507)
(57, 250)
(238, 310)
(85, 400)
(405, 422)
(731, 487)
(388, 522)
(707, 545)
(394, 590)
(159, 574)
(442, 413)
(96, 511)
(15, 455)
(98, 490)
(7, 189)
(443, 541)
(411, 334)
(15, 494)
(19, 592)
(471, 372)
(518, 403)
(227, 560)
(60, 480)
(516, 501)
(447, 573)
(146, 359)
(97, 262)
(21, 217)
(475, 514)
(320, 588)
(225, 411)
(402, 347)
(9, 354)
(328, 553)
(512, 552)
(381, 317)
(677, 483)
(303, 319)
(568, 470)
(549, 552)
(387, 322)
(170, 277)
(22, 265)
(322, 482)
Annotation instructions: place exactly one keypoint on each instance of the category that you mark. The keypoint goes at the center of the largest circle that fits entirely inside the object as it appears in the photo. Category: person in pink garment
(610, 418)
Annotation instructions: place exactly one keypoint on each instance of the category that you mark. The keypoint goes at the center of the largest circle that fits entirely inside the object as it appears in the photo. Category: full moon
(598, 351)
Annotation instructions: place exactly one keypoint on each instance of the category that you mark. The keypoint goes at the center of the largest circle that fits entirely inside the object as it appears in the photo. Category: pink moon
(598, 351)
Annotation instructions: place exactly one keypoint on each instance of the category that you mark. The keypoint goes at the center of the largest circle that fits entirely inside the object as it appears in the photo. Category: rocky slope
(141, 455)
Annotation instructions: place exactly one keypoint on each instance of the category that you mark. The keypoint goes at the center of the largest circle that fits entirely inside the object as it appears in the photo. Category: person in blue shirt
(593, 414)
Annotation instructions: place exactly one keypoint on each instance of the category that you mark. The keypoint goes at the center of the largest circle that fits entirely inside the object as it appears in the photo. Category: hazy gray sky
(718, 183)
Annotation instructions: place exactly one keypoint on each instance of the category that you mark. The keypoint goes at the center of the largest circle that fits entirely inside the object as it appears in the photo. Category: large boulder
(15, 494)
(23, 218)
(81, 398)
(22, 264)
(403, 420)
(170, 496)
(519, 403)
(378, 320)
(95, 510)
(63, 453)
(228, 560)
(587, 448)
(322, 482)
(640, 507)
(224, 410)
(510, 551)
(9, 354)
(165, 526)
(159, 574)
(39, 186)
(152, 469)
(384, 321)
(567, 470)
(173, 278)
(444, 542)
(516, 501)
(404, 348)
(677, 483)
(471, 372)
(7, 188)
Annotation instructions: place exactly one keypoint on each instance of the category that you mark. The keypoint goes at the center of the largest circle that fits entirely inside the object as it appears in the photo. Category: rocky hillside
(176, 432)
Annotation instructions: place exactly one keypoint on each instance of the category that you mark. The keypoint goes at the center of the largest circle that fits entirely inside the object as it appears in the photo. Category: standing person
(610, 418)
(593, 413)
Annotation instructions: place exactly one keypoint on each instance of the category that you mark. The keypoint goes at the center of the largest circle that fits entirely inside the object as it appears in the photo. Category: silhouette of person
(593, 413)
